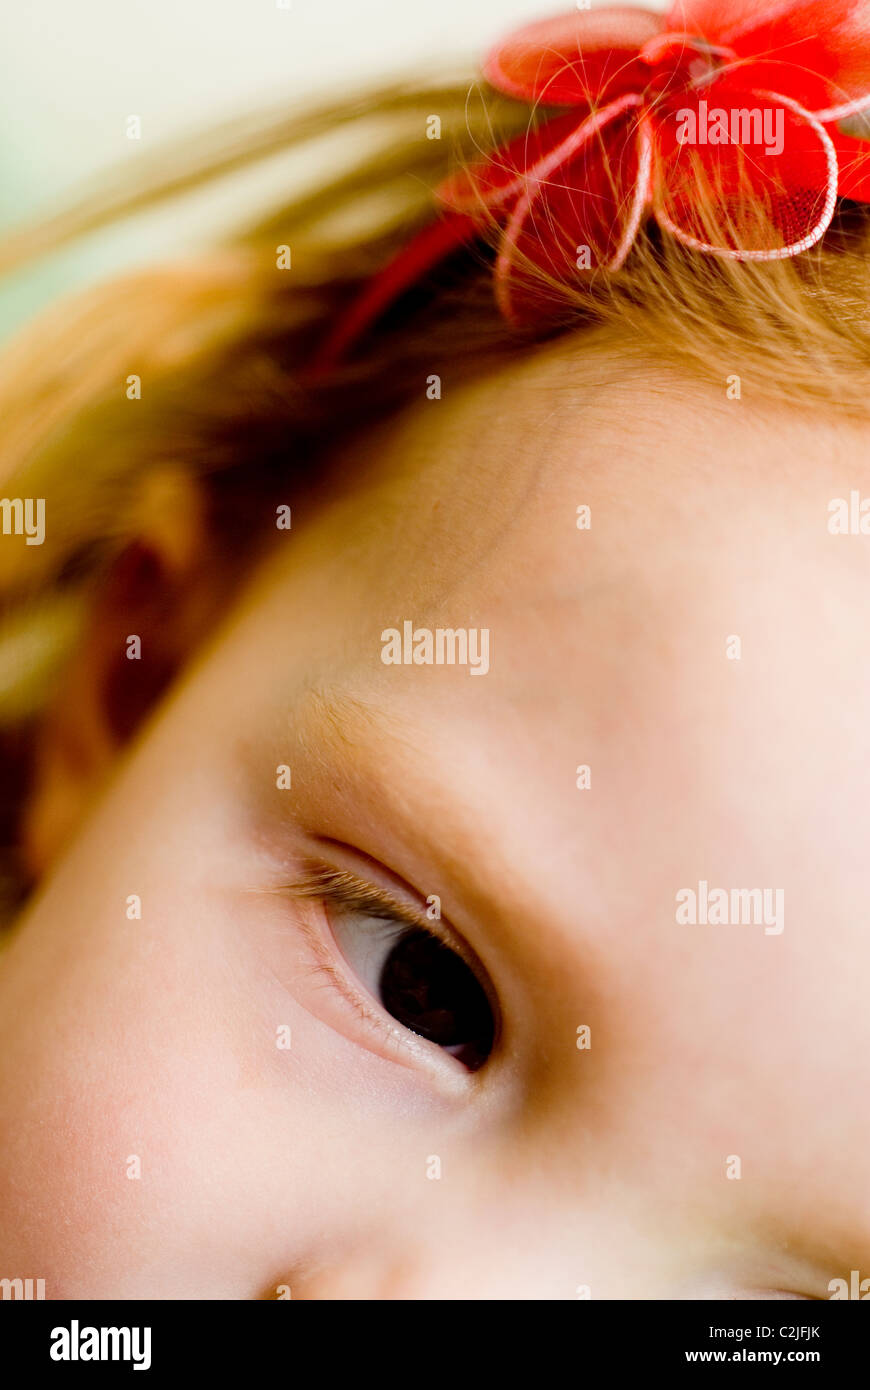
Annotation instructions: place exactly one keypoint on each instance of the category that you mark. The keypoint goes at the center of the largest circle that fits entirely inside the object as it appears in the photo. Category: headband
(763, 104)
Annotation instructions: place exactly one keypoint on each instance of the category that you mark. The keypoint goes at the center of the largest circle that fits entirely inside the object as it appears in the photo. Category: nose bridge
(479, 1265)
(538, 1211)
(548, 1240)
(479, 1261)
(484, 1230)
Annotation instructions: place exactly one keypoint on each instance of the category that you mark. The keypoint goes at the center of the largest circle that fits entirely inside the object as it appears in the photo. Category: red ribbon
(749, 108)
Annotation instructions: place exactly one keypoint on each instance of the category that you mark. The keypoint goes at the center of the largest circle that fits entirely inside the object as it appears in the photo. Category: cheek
(105, 1097)
(119, 1092)
(156, 1142)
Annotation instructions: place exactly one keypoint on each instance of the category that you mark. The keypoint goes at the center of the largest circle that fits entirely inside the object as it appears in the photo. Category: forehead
(570, 495)
(649, 566)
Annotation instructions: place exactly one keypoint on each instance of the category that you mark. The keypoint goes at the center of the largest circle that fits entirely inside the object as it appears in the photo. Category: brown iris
(430, 990)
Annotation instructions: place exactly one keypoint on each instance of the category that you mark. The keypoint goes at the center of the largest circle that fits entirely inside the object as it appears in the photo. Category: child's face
(702, 649)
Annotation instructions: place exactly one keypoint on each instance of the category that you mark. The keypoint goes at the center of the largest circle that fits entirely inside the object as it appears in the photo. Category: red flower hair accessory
(757, 105)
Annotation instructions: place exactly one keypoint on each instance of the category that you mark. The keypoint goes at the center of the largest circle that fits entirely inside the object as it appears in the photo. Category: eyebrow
(351, 748)
(333, 710)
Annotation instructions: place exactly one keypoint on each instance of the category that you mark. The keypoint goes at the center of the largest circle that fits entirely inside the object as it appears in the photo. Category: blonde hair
(220, 340)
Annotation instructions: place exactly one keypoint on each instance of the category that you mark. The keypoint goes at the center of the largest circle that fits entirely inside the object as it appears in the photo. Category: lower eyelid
(326, 965)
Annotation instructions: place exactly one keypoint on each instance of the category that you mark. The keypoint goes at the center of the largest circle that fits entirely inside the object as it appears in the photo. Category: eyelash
(323, 881)
(323, 884)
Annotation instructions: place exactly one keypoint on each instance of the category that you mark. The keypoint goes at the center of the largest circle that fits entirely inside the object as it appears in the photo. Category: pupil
(430, 990)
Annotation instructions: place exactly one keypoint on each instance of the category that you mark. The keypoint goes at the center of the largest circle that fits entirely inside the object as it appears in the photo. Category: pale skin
(563, 1171)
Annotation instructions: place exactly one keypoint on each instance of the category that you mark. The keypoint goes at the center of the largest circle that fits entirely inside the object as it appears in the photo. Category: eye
(419, 981)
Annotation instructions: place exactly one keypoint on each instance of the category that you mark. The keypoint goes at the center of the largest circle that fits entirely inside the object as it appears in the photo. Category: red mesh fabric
(815, 51)
(734, 198)
(574, 225)
(500, 177)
